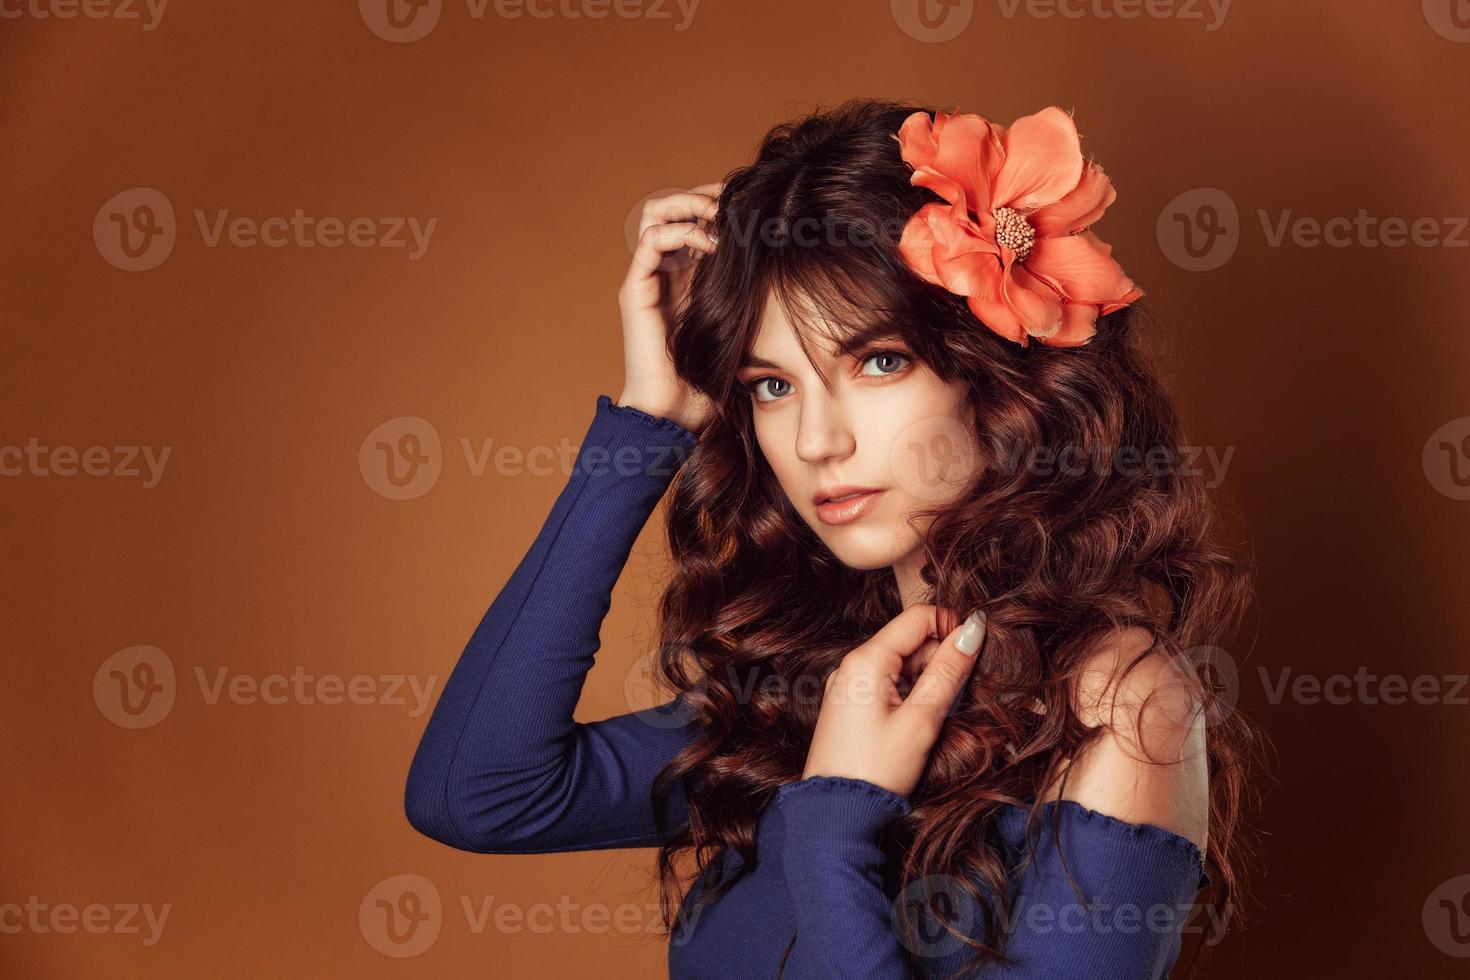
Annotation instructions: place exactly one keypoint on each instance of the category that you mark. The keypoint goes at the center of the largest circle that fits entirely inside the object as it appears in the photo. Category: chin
(865, 548)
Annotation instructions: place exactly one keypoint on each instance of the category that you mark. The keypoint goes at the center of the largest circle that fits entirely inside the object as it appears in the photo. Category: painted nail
(971, 633)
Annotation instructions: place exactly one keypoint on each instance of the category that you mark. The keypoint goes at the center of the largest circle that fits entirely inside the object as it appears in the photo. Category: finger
(702, 239)
(946, 673)
(658, 240)
(677, 207)
(680, 207)
(903, 635)
(709, 190)
(913, 664)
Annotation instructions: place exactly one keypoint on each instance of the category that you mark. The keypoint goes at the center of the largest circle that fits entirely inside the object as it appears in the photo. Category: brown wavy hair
(758, 611)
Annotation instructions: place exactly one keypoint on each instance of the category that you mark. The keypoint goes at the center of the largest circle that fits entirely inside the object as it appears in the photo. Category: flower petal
(1079, 325)
(916, 245)
(1126, 298)
(995, 314)
(980, 227)
(945, 250)
(1077, 268)
(916, 142)
(1118, 304)
(1043, 161)
(970, 271)
(1080, 208)
(1035, 304)
(961, 149)
(971, 153)
(946, 187)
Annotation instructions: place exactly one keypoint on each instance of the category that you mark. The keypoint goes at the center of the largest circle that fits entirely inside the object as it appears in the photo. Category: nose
(823, 433)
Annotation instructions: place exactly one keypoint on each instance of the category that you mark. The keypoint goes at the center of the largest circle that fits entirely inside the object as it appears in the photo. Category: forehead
(776, 336)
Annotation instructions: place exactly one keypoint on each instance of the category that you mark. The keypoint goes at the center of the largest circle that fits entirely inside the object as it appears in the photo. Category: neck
(911, 587)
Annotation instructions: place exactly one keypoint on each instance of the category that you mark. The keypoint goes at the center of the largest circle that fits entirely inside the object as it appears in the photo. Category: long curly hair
(757, 610)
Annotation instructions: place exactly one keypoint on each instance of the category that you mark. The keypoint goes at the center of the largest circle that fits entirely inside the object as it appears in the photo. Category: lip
(846, 511)
(824, 494)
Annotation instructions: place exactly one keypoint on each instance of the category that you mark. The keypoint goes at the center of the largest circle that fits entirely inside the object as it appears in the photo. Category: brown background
(265, 548)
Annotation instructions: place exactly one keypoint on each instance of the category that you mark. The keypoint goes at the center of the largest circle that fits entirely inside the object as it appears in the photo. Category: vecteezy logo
(633, 228)
(932, 21)
(641, 692)
(1449, 18)
(135, 688)
(1200, 229)
(1446, 459)
(401, 916)
(400, 21)
(1219, 673)
(933, 458)
(923, 897)
(1447, 917)
(135, 230)
(401, 459)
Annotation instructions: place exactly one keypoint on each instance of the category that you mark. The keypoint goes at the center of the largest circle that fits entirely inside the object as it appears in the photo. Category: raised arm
(502, 766)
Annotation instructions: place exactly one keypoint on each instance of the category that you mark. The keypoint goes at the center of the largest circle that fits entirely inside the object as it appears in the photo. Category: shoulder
(1149, 763)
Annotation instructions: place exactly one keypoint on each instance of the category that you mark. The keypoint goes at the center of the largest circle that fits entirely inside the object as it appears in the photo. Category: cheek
(779, 451)
(929, 443)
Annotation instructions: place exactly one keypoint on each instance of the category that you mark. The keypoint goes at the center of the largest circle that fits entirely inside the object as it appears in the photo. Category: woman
(897, 378)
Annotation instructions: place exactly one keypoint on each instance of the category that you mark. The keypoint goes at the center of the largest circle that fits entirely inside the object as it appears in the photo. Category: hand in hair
(866, 729)
(671, 239)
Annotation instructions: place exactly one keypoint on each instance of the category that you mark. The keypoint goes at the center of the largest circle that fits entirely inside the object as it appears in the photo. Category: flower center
(1013, 231)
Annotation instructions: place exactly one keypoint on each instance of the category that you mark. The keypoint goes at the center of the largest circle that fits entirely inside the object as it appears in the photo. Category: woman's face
(888, 425)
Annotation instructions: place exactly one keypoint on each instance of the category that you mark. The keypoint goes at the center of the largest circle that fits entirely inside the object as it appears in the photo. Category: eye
(754, 387)
(889, 363)
(888, 357)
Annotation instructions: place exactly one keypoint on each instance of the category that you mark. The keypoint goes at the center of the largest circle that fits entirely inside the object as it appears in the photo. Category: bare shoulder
(1149, 765)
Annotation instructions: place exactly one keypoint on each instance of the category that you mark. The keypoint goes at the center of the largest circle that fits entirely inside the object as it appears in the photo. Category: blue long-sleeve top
(503, 768)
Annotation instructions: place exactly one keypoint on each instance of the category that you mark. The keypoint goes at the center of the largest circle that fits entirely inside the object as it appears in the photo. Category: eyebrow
(847, 348)
(751, 361)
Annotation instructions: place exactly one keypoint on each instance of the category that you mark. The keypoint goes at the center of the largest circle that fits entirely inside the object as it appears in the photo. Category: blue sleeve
(502, 767)
(1139, 882)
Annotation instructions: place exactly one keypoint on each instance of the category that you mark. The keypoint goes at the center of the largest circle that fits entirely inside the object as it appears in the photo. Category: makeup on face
(843, 505)
(831, 446)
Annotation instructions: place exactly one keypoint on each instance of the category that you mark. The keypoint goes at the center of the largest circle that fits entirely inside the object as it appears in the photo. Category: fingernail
(971, 633)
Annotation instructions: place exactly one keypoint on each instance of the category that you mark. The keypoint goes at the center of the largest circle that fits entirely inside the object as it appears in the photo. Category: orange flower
(1013, 239)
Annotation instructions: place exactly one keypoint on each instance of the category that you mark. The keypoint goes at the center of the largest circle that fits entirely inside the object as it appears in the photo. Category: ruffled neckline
(1011, 819)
